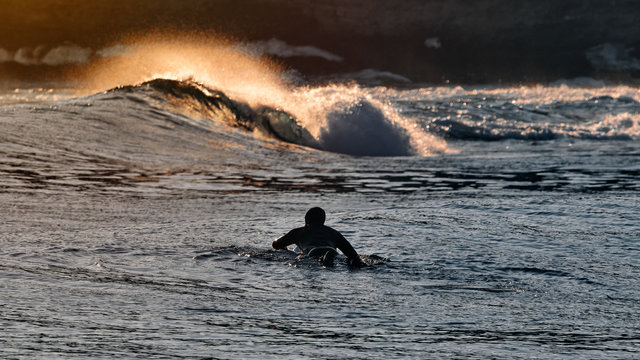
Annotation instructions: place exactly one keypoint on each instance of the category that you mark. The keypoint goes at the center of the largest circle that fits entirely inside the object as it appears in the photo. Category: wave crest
(362, 129)
(340, 121)
(198, 101)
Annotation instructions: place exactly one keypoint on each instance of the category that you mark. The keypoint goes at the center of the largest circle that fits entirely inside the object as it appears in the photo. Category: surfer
(318, 240)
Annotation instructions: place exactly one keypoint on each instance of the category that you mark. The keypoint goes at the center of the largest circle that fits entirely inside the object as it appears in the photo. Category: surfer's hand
(356, 262)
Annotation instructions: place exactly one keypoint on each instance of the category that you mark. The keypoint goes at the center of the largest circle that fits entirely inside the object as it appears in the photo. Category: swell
(214, 79)
(359, 121)
(200, 102)
(582, 112)
(343, 120)
(163, 133)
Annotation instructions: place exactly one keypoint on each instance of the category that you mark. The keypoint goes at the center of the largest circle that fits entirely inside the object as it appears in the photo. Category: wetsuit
(319, 241)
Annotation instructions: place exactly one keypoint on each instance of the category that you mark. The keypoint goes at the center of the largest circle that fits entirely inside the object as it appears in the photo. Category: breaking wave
(210, 78)
(72, 54)
(341, 118)
(578, 109)
(68, 54)
(280, 48)
(350, 124)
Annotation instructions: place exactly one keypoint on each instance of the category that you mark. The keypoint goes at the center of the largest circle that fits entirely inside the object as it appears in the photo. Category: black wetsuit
(313, 239)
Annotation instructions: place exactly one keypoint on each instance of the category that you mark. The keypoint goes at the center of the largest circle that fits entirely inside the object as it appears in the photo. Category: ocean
(140, 200)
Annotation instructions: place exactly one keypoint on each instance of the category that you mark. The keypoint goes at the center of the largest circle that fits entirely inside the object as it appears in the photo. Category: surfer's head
(314, 216)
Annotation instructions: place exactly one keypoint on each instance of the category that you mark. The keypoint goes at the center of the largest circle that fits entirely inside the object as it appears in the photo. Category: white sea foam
(579, 82)
(521, 95)
(39, 55)
(619, 124)
(588, 110)
(5, 56)
(280, 48)
(29, 56)
(353, 120)
(372, 76)
(114, 50)
(360, 128)
(67, 54)
(612, 57)
(433, 42)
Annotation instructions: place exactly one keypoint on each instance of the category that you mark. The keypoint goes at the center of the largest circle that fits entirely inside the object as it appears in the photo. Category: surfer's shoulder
(333, 231)
(294, 233)
(297, 231)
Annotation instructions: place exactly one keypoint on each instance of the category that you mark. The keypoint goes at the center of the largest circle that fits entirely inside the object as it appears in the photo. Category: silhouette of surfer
(318, 240)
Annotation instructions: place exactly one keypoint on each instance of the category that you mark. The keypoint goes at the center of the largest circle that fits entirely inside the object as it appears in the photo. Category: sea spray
(350, 119)
(341, 118)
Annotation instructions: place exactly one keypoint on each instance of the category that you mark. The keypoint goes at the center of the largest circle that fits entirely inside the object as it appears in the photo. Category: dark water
(137, 223)
(436, 41)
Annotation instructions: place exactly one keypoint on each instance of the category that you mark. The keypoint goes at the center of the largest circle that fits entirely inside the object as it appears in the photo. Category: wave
(163, 135)
(356, 127)
(210, 78)
(370, 77)
(612, 58)
(41, 55)
(280, 48)
(621, 126)
(362, 129)
(197, 100)
(578, 109)
(186, 122)
(73, 54)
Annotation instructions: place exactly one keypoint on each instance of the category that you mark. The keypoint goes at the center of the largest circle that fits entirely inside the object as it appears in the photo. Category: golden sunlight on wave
(312, 106)
(219, 65)
(206, 59)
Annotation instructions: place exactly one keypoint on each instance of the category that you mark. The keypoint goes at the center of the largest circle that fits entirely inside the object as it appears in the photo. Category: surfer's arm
(286, 240)
(348, 251)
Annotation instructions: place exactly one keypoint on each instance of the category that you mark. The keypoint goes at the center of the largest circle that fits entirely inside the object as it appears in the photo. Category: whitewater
(140, 200)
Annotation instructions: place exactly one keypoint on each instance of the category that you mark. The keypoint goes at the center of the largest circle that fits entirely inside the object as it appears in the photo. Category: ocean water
(496, 221)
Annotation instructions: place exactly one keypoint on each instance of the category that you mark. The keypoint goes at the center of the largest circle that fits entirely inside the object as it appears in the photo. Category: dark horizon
(435, 41)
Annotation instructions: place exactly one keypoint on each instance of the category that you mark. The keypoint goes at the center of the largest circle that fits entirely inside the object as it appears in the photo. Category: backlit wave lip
(354, 126)
(336, 117)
